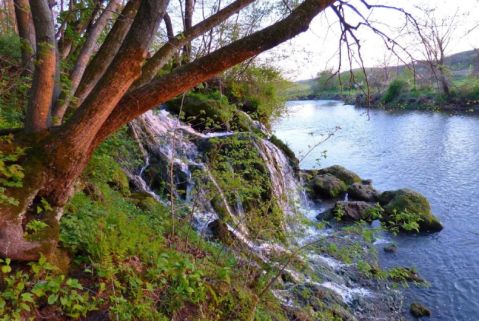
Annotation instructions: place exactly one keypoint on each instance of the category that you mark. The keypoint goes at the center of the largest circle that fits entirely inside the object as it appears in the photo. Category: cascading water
(166, 141)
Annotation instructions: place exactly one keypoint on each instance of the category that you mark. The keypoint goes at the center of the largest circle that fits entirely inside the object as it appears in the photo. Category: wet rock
(367, 181)
(323, 299)
(419, 310)
(360, 192)
(352, 211)
(390, 248)
(327, 186)
(407, 200)
(347, 176)
(406, 274)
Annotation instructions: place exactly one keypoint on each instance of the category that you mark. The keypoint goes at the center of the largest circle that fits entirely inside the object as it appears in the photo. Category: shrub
(394, 90)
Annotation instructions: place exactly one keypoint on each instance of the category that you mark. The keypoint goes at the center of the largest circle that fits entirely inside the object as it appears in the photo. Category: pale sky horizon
(317, 49)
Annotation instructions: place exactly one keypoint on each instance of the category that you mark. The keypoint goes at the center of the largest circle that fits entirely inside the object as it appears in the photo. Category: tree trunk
(26, 32)
(57, 156)
(102, 60)
(81, 63)
(38, 110)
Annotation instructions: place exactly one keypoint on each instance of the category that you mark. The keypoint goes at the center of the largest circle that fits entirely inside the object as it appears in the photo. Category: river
(432, 153)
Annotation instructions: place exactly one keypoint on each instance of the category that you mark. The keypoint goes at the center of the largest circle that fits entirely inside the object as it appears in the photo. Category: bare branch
(161, 57)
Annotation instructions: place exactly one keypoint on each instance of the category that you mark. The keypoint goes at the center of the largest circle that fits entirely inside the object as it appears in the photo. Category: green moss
(293, 161)
(202, 111)
(327, 185)
(409, 201)
(347, 176)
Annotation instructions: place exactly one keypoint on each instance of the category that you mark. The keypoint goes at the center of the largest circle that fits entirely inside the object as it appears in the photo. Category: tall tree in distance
(436, 35)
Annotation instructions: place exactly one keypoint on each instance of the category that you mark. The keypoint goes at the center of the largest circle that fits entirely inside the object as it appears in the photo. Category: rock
(419, 310)
(221, 231)
(406, 274)
(362, 192)
(407, 200)
(390, 248)
(144, 201)
(352, 211)
(347, 176)
(327, 186)
(367, 181)
(120, 181)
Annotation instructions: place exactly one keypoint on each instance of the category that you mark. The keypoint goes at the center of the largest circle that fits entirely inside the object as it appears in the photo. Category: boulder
(349, 211)
(347, 176)
(419, 310)
(407, 200)
(360, 192)
(327, 186)
(352, 211)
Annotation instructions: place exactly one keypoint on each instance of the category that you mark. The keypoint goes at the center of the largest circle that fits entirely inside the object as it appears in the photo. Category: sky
(317, 49)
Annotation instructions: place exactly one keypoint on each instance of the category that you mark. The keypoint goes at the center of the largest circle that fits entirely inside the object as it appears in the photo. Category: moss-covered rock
(407, 200)
(120, 182)
(221, 232)
(347, 176)
(360, 192)
(293, 161)
(327, 186)
(419, 310)
(400, 274)
(391, 248)
(203, 112)
(144, 201)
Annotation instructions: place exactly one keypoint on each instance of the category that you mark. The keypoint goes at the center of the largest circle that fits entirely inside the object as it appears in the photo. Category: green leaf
(25, 306)
(52, 298)
(27, 297)
(6, 269)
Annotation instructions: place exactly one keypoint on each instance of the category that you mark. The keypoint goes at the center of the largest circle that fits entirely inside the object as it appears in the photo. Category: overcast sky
(317, 49)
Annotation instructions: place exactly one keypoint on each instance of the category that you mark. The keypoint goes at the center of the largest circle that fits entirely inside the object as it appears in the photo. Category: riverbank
(405, 102)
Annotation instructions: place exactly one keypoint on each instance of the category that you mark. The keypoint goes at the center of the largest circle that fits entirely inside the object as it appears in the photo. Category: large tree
(109, 86)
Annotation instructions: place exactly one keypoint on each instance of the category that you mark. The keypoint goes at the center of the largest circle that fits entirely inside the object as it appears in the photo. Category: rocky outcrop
(360, 192)
(409, 201)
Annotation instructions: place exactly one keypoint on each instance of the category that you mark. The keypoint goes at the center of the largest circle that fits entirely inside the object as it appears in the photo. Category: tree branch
(27, 34)
(87, 50)
(38, 109)
(102, 60)
(186, 77)
(124, 69)
(161, 57)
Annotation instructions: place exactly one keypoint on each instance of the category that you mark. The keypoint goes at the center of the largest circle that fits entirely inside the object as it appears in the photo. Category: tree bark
(102, 60)
(38, 110)
(189, 9)
(81, 63)
(26, 32)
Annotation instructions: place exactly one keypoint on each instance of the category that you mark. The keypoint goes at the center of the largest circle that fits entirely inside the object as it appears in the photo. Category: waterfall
(166, 142)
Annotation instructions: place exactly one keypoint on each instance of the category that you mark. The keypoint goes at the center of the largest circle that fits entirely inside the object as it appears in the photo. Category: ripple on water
(434, 154)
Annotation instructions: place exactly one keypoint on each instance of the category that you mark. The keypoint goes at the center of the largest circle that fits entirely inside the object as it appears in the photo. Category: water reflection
(435, 154)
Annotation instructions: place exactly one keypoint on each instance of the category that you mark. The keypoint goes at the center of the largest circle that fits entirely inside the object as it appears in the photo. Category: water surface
(434, 154)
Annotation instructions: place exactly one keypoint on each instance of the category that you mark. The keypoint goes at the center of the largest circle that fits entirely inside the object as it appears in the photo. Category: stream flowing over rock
(175, 154)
